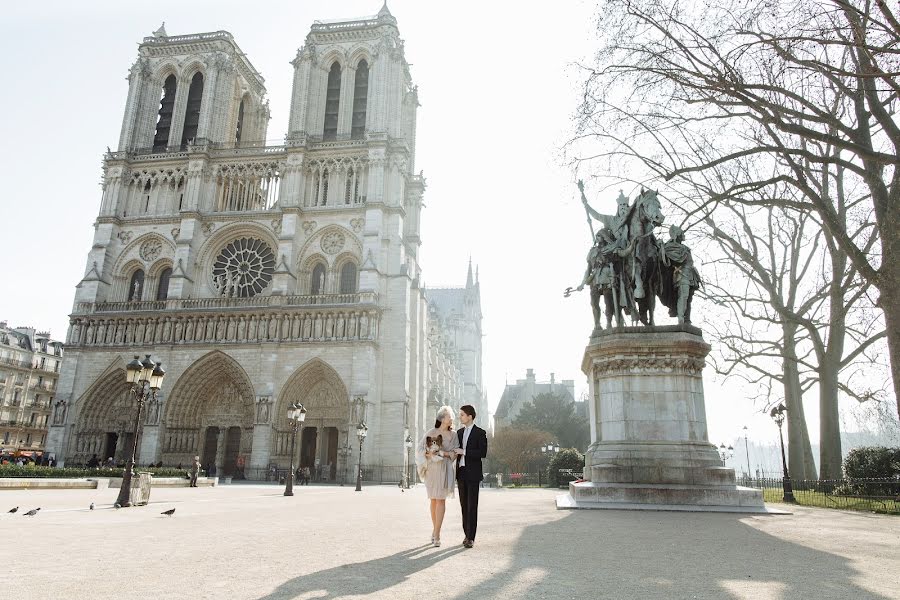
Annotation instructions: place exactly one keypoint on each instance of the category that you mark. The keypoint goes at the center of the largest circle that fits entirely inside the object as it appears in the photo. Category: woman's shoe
(437, 542)
(432, 540)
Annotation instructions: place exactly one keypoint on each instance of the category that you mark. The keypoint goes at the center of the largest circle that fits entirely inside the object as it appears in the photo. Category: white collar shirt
(465, 440)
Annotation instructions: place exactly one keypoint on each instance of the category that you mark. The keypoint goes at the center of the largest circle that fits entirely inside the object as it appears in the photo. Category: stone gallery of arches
(265, 275)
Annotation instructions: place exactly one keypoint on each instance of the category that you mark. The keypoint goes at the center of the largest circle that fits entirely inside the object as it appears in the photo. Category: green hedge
(81, 472)
(568, 458)
(872, 462)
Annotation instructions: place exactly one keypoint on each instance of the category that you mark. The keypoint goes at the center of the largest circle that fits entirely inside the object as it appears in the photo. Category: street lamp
(361, 431)
(725, 453)
(296, 414)
(408, 444)
(777, 413)
(145, 378)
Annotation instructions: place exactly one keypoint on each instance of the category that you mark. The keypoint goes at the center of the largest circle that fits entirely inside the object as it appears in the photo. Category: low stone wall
(49, 483)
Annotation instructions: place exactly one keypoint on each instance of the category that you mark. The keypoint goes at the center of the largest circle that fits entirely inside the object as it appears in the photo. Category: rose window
(244, 268)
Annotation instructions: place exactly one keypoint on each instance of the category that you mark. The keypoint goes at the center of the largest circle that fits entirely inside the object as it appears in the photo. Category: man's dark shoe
(468, 543)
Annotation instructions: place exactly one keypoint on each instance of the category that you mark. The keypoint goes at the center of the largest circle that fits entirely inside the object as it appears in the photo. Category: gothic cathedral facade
(261, 276)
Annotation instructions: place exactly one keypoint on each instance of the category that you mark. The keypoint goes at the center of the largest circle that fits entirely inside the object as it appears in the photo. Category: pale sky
(497, 91)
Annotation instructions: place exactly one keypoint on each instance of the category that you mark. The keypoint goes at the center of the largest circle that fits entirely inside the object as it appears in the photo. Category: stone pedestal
(648, 427)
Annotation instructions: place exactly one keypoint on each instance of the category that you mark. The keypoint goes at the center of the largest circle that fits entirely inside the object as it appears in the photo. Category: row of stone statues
(300, 326)
(629, 268)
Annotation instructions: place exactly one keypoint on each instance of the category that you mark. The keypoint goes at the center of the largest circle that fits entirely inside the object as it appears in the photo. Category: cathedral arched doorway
(210, 414)
(105, 422)
(320, 389)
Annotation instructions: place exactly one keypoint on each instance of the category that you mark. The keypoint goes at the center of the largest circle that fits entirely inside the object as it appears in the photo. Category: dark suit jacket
(476, 449)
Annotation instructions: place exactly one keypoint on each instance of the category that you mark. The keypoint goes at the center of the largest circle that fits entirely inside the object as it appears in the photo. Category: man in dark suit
(472, 449)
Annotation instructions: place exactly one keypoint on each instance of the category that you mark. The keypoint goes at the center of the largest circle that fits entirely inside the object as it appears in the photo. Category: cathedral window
(332, 102)
(164, 118)
(317, 280)
(162, 290)
(348, 192)
(360, 100)
(136, 286)
(348, 278)
(192, 114)
(323, 201)
(244, 268)
(240, 123)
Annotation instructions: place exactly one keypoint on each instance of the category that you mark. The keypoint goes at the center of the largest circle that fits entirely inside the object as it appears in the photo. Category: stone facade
(29, 369)
(259, 275)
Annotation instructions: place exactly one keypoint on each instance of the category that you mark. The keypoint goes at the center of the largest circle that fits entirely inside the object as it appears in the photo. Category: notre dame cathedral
(265, 275)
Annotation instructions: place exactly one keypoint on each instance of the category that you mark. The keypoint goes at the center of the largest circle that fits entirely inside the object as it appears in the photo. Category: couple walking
(444, 456)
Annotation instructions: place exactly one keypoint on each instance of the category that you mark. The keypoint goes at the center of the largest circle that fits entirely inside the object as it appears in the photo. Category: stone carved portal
(210, 414)
(105, 422)
(320, 389)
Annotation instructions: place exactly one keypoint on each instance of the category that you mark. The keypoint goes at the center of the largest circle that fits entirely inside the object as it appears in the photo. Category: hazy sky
(497, 87)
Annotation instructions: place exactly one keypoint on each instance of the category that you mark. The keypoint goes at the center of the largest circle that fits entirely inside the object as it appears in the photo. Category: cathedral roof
(447, 301)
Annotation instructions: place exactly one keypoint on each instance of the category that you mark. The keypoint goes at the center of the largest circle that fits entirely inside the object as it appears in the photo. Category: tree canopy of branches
(684, 91)
(555, 414)
(516, 448)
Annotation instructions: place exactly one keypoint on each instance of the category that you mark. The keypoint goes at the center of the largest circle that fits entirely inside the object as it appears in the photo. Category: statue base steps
(650, 448)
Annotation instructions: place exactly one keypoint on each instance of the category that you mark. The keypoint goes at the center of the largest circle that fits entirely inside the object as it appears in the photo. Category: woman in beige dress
(438, 469)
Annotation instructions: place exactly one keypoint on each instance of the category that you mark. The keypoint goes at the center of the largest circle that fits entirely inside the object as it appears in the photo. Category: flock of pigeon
(34, 511)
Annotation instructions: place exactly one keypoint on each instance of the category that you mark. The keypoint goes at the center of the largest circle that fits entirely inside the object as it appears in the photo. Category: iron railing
(878, 495)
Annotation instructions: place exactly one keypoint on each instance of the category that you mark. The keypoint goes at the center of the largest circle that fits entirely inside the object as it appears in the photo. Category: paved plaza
(250, 542)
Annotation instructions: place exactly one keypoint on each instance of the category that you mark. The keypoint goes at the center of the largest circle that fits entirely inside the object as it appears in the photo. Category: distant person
(195, 471)
(110, 463)
(94, 462)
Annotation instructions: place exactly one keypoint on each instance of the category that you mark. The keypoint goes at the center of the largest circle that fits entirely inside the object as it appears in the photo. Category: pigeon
(12, 510)
(32, 512)
(168, 513)
(92, 506)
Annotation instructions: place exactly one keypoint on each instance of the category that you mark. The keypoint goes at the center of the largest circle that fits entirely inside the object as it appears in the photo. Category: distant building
(29, 369)
(523, 391)
(456, 312)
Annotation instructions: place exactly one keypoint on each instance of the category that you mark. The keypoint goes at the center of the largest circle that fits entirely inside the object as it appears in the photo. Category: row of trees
(772, 125)
(548, 418)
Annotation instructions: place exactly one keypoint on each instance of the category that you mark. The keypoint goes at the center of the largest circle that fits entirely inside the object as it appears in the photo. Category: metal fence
(543, 478)
(876, 495)
(371, 474)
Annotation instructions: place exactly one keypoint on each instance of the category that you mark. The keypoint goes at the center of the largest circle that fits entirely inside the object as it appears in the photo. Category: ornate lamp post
(361, 431)
(407, 444)
(345, 452)
(777, 413)
(297, 414)
(548, 450)
(725, 453)
(145, 378)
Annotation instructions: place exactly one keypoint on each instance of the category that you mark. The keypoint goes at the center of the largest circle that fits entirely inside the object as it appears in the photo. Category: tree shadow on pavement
(644, 555)
(363, 578)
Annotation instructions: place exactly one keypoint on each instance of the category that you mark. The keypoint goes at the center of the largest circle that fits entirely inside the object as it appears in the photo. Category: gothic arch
(352, 245)
(322, 392)
(132, 252)
(358, 54)
(105, 413)
(193, 66)
(214, 388)
(331, 56)
(162, 71)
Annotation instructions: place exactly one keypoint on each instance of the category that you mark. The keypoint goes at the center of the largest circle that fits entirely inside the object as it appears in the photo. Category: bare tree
(805, 86)
(515, 447)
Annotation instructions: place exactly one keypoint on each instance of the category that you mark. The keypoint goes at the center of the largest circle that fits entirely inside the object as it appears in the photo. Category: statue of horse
(646, 215)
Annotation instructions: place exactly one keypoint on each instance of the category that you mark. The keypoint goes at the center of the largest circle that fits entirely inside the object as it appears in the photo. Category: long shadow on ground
(363, 578)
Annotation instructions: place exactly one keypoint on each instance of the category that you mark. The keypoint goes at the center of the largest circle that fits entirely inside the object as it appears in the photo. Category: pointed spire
(384, 12)
(469, 276)
(161, 32)
(477, 282)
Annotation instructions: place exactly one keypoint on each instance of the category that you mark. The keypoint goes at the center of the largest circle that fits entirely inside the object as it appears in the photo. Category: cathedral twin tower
(265, 275)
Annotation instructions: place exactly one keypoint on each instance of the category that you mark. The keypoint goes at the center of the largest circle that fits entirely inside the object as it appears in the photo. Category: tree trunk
(890, 304)
(800, 459)
(830, 457)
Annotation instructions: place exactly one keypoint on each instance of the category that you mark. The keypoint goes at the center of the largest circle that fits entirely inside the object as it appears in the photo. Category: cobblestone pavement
(250, 542)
